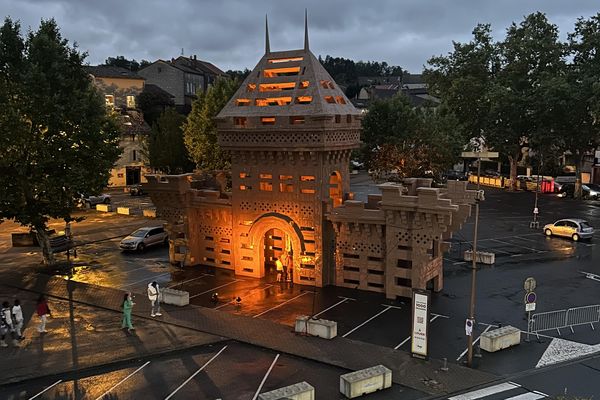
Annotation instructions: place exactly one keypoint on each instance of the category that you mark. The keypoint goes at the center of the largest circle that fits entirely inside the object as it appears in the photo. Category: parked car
(453, 175)
(574, 228)
(145, 237)
(588, 191)
(136, 190)
(99, 199)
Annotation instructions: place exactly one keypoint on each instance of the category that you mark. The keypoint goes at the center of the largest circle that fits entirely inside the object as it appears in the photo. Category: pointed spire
(305, 29)
(267, 44)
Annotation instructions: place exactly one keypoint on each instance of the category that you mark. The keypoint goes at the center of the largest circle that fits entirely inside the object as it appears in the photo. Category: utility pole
(471, 318)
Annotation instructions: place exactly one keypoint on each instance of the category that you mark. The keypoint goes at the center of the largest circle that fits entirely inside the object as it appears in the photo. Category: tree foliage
(56, 139)
(415, 142)
(121, 61)
(200, 132)
(166, 148)
(153, 104)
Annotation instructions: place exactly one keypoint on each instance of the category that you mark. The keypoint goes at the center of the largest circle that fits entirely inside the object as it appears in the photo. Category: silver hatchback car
(573, 228)
(145, 237)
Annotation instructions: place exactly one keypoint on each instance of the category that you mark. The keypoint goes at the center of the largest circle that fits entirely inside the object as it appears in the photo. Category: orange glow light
(242, 102)
(284, 60)
(276, 87)
(273, 101)
(304, 84)
(304, 99)
(275, 72)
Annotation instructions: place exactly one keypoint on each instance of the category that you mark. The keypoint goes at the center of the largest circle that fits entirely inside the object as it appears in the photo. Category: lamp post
(471, 318)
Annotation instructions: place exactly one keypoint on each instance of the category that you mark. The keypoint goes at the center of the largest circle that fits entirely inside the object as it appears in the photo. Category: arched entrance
(335, 188)
(272, 234)
(277, 245)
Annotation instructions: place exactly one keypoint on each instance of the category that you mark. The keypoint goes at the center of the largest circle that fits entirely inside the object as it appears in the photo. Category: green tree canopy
(166, 150)
(200, 131)
(56, 139)
(121, 61)
(153, 104)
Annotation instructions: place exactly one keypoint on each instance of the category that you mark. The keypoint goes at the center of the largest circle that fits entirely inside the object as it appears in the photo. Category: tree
(121, 61)
(57, 141)
(153, 104)
(166, 149)
(200, 132)
(416, 142)
(238, 75)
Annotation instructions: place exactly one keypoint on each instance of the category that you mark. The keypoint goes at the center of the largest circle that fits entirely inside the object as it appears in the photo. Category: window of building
(266, 176)
(338, 119)
(266, 186)
(307, 191)
(296, 120)
(273, 101)
(110, 100)
(307, 178)
(404, 282)
(284, 60)
(277, 87)
(159, 69)
(244, 175)
(267, 120)
(286, 188)
(303, 99)
(275, 72)
(242, 102)
(330, 99)
(131, 101)
(240, 121)
(245, 187)
(304, 84)
(327, 84)
(340, 100)
(285, 177)
(251, 87)
(349, 118)
(134, 155)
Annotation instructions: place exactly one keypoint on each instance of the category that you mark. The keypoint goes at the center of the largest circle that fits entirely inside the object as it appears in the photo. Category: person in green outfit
(127, 306)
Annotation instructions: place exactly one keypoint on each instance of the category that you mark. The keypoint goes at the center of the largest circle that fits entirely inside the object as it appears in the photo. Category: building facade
(121, 88)
(290, 131)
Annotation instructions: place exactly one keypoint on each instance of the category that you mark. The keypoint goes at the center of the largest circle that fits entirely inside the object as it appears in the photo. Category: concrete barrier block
(175, 297)
(104, 207)
(316, 327)
(483, 257)
(500, 338)
(124, 210)
(149, 212)
(298, 391)
(365, 381)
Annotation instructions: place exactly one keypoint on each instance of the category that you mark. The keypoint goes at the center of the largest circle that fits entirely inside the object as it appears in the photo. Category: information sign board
(420, 324)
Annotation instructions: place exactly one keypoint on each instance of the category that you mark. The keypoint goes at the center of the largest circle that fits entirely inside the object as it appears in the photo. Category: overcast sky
(230, 33)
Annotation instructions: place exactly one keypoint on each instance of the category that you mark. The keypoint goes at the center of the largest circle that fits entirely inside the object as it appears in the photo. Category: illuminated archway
(282, 223)
(335, 189)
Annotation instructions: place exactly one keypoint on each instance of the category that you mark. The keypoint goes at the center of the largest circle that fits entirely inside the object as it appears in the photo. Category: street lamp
(471, 319)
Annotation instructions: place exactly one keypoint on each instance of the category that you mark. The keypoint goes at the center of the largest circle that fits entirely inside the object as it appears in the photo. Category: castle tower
(290, 131)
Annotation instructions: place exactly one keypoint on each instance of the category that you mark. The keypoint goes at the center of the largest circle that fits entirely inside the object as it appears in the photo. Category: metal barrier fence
(562, 319)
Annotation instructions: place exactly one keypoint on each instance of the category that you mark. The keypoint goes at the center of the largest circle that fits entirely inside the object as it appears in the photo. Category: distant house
(120, 88)
(385, 87)
(182, 77)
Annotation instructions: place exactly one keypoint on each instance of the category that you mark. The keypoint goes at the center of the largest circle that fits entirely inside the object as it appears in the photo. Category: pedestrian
(43, 311)
(279, 268)
(154, 297)
(127, 306)
(284, 261)
(6, 325)
(17, 314)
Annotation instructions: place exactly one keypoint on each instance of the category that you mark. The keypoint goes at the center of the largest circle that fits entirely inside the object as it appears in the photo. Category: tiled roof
(150, 88)
(195, 66)
(108, 71)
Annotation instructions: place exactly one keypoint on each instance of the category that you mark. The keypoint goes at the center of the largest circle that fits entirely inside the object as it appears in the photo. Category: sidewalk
(82, 337)
(421, 375)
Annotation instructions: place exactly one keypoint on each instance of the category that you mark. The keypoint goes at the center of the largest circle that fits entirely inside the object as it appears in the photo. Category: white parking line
(279, 305)
(435, 316)
(195, 373)
(369, 320)
(218, 287)
(246, 294)
(189, 280)
(344, 299)
(145, 280)
(48, 388)
(265, 378)
(122, 380)
(474, 342)
(518, 245)
(488, 391)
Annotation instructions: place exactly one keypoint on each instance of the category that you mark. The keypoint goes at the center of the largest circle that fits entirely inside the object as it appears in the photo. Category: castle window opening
(330, 99)
(273, 101)
(286, 188)
(349, 118)
(276, 72)
(267, 120)
(240, 121)
(251, 87)
(266, 176)
(338, 118)
(244, 175)
(307, 178)
(242, 102)
(284, 60)
(304, 84)
(326, 84)
(296, 120)
(277, 87)
(303, 99)
(285, 177)
(266, 186)
(307, 191)
(245, 187)
(340, 100)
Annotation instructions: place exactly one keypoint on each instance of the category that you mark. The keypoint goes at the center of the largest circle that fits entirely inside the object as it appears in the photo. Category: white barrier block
(298, 391)
(124, 210)
(104, 207)
(365, 381)
(500, 338)
(316, 327)
(175, 297)
(483, 257)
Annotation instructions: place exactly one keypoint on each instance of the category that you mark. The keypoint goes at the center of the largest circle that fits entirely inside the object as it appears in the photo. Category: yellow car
(573, 228)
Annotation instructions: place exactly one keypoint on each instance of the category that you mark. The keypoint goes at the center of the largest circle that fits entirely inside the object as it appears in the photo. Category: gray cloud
(230, 33)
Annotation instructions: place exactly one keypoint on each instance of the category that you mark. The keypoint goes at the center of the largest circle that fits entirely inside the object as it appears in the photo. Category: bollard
(445, 367)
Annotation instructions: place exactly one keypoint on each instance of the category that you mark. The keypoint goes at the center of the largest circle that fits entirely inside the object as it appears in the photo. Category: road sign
(530, 307)
(479, 154)
(530, 298)
(469, 327)
(529, 284)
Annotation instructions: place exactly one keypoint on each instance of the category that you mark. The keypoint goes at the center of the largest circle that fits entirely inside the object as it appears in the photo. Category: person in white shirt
(17, 313)
(6, 325)
(154, 297)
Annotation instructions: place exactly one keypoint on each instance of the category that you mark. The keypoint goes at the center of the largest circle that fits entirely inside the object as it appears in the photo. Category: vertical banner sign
(420, 323)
